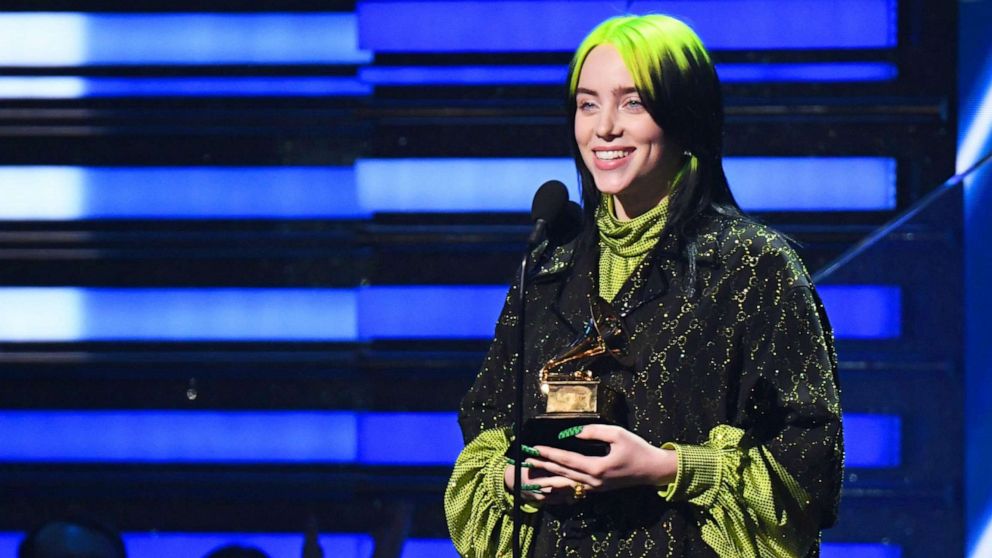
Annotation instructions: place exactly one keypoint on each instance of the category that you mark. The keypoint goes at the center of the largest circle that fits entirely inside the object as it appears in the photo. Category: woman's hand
(537, 485)
(632, 461)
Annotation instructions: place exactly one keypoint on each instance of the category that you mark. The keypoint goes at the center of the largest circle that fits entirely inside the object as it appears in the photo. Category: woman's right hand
(537, 485)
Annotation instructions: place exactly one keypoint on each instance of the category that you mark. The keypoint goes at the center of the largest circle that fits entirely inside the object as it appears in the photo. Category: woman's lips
(614, 162)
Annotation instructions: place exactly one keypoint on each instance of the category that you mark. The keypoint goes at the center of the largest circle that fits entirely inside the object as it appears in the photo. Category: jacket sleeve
(766, 485)
(476, 504)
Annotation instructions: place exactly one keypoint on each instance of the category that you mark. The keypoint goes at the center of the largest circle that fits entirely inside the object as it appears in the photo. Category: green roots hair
(670, 43)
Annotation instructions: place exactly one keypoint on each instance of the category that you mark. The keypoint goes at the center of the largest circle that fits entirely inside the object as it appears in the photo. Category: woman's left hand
(632, 461)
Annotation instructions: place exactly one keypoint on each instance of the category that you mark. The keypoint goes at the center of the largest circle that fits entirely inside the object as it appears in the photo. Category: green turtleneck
(623, 244)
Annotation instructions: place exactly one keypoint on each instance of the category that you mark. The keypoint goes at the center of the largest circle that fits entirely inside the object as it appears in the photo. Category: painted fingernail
(525, 465)
(531, 487)
(530, 451)
(569, 432)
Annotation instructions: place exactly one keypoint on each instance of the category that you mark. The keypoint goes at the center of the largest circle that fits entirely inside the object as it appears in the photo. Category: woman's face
(621, 145)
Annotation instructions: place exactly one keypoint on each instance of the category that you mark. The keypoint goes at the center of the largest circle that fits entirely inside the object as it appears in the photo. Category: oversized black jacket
(747, 345)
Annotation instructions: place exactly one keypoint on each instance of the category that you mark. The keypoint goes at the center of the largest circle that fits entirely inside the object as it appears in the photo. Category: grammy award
(574, 394)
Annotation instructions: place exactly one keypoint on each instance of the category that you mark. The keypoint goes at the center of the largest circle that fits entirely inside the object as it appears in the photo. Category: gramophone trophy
(574, 394)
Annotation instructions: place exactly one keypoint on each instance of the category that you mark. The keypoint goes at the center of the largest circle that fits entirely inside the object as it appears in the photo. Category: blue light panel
(276, 545)
(429, 311)
(813, 183)
(498, 26)
(409, 438)
(68, 314)
(400, 185)
(75, 39)
(463, 75)
(467, 26)
(776, 25)
(457, 185)
(45, 87)
(872, 441)
(410, 312)
(49, 192)
(863, 311)
(68, 87)
(761, 183)
(172, 545)
(810, 73)
(860, 550)
(429, 548)
(178, 436)
(556, 75)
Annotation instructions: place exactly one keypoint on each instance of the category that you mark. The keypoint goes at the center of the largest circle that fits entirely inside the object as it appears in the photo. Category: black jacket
(747, 345)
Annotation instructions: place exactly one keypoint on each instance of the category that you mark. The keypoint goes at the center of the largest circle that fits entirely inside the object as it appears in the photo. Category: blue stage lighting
(426, 311)
(416, 439)
(415, 185)
(383, 312)
(860, 550)
(556, 75)
(400, 185)
(171, 544)
(508, 26)
(863, 311)
(76, 39)
(66, 193)
(463, 75)
(50, 87)
(178, 436)
(817, 72)
(200, 314)
(813, 183)
(872, 441)
(408, 438)
(165, 544)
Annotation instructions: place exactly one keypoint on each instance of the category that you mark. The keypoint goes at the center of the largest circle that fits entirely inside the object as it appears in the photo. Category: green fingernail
(569, 432)
(530, 451)
(531, 487)
(525, 465)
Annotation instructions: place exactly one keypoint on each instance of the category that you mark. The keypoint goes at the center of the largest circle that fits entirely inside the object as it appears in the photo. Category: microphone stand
(520, 369)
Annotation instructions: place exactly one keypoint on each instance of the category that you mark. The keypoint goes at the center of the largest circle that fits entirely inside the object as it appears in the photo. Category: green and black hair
(679, 87)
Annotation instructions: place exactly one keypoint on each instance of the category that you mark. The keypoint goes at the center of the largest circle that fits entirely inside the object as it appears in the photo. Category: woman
(732, 445)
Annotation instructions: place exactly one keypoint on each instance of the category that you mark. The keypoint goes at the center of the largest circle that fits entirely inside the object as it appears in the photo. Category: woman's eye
(586, 105)
(635, 103)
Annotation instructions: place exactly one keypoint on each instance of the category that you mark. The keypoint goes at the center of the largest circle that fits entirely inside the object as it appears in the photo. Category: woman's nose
(608, 125)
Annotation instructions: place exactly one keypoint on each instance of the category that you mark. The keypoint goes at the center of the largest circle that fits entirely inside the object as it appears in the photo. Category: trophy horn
(604, 335)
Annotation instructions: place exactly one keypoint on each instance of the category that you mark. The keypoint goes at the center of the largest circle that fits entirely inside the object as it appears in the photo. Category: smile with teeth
(613, 154)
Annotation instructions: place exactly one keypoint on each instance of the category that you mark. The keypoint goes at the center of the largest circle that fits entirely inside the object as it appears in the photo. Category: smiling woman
(730, 443)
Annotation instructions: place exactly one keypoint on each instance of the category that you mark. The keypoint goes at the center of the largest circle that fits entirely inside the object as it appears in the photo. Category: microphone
(567, 226)
(549, 203)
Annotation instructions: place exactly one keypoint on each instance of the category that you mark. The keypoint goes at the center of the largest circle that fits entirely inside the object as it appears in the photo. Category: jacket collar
(647, 283)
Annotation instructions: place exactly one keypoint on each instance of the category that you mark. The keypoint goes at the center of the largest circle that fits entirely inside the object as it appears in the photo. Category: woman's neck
(630, 205)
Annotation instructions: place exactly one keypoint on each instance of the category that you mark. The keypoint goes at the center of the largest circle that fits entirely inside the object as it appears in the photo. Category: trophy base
(543, 430)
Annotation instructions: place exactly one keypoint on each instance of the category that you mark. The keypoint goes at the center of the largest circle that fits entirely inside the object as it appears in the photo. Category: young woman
(732, 444)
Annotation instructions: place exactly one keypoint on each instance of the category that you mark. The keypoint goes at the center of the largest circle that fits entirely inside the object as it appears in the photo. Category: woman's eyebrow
(586, 91)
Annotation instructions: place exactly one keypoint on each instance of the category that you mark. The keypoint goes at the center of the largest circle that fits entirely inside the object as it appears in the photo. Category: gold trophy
(574, 395)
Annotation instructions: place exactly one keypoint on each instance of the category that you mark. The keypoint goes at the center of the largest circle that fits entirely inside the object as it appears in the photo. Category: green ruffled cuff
(698, 476)
(746, 516)
(476, 504)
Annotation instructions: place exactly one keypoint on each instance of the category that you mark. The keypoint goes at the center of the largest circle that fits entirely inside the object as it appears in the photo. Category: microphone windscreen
(567, 226)
(549, 201)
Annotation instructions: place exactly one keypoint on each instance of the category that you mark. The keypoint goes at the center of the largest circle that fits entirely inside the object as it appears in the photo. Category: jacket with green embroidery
(736, 372)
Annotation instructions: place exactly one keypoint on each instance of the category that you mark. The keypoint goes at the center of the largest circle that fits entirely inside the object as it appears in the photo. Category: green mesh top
(623, 244)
